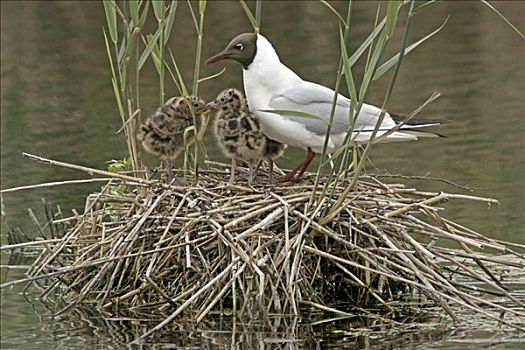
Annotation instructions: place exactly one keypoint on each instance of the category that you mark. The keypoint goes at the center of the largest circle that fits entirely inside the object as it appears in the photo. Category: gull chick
(273, 150)
(240, 135)
(162, 134)
(270, 87)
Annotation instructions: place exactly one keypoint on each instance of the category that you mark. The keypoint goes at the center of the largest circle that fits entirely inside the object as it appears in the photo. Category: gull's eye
(239, 47)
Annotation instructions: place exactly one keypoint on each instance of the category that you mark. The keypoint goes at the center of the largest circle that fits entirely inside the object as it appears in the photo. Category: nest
(155, 250)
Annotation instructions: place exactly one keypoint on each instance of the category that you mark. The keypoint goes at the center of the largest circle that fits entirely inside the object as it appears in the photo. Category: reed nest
(153, 249)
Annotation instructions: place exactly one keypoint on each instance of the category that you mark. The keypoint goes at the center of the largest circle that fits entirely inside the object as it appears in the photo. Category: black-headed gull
(162, 134)
(239, 135)
(270, 85)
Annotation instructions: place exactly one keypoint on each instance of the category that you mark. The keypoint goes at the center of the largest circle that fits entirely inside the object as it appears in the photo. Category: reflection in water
(56, 101)
(84, 325)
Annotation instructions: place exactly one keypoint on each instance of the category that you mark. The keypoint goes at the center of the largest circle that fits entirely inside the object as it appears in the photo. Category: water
(57, 101)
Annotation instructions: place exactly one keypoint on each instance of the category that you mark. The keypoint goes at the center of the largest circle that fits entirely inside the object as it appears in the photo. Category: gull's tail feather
(419, 133)
(417, 122)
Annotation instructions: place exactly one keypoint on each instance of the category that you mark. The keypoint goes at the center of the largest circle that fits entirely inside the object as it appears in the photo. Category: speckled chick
(272, 150)
(162, 133)
(239, 134)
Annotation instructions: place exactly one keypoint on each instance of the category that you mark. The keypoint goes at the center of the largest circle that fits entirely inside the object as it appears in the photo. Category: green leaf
(357, 54)
(158, 9)
(425, 5)
(509, 23)
(144, 14)
(376, 54)
(117, 97)
(250, 16)
(212, 76)
(111, 18)
(186, 135)
(181, 81)
(334, 11)
(289, 113)
(119, 165)
(132, 44)
(122, 48)
(202, 7)
(392, 13)
(195, 23)
(123, 78)
(392, 61)
(169, 21)
(114, 78)
(134, 10)
(339, 152)
(350, 83)
(347, 68)
(149, 47)
(258, 12)
(108, 51)
(155, 55)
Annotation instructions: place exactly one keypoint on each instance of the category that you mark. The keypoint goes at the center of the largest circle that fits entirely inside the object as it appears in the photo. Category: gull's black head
(241, 49)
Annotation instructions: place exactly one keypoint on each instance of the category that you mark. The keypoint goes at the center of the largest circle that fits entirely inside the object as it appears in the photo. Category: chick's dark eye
(239, 47)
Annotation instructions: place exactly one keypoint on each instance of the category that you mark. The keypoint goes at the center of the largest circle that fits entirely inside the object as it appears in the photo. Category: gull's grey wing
(317, 100)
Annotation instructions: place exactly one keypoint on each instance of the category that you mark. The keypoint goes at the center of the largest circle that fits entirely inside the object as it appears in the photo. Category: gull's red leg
(298, 172)
(310, 155)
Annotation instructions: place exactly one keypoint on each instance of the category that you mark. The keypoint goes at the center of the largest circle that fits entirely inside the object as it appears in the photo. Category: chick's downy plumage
(239, 134)
(162, 133)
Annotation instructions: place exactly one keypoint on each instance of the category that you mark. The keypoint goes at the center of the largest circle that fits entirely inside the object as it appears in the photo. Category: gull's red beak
(220, 56)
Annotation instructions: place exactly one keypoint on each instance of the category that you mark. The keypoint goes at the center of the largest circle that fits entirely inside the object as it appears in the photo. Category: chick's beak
(206, 107)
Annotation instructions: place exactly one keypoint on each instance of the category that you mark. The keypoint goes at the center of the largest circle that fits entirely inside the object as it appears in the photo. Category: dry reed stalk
(179, 250)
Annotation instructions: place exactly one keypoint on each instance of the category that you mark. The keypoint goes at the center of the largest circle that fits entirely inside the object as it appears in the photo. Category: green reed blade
(195, 23)
(179, 76)
(425, 5)
(334, 11)
(132, 44)
(144, 14)
(509, 23)
(134, 11)
(174, 79)
(250, 16)
(158, 9)
(392, 61)
(155, 55)
(347, 68)
(201, 80)
(170, 19)
(111, 19)
(392, 13)
(357, 54)
(149, 48)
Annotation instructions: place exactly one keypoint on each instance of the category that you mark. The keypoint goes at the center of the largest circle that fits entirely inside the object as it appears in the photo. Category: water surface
(57, 101)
